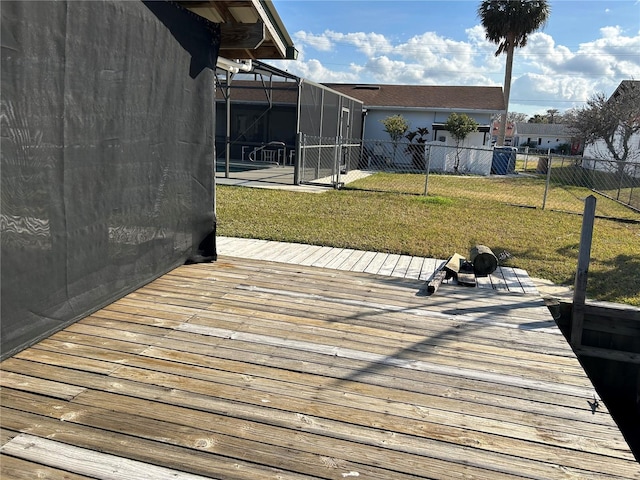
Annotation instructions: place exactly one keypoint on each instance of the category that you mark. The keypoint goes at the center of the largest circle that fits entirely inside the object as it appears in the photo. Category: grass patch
(545, 243)
(434, 200)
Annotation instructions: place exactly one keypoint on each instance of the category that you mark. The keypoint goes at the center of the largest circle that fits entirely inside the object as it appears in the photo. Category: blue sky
(586, 47)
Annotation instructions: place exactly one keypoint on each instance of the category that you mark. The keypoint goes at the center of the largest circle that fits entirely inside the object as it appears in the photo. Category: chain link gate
(331, 161)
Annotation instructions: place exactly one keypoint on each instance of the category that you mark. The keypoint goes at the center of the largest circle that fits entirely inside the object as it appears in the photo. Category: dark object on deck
(465, 274)
(437, 279)
(447, 270)
(206, 250)
(483, 259)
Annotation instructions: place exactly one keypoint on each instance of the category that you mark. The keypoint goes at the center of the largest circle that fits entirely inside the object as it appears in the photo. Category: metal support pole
(227, 140)
(584, 256)
(427, 167)
(336, 161)
(319, 150)
(548, 180)
(297, 159)
(215, 155)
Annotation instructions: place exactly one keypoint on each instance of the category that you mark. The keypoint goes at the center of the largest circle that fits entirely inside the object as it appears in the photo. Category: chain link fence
(619, 181)
(545, 181)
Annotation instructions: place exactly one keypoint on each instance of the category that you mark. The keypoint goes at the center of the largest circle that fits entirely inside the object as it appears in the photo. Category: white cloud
(430, 47)
(314, 70)
(611, 55)
(610, 32)
(384, 69)
(477, 36)
(616, 53)
(559, 92)
(370, 44)
(542, 52)
(563, 78)
(319, 42)
(546, 74)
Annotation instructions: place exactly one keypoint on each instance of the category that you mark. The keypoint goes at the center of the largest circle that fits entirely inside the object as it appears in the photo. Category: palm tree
(552, 115)
(508, 23)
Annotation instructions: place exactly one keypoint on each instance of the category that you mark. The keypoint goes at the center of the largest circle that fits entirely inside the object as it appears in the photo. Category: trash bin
(504, 160)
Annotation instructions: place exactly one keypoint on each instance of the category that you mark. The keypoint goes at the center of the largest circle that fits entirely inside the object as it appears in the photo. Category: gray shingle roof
(543, 129)
(424, 96)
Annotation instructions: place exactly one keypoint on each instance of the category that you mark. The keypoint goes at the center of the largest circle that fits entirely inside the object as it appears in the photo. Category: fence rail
(545, 181)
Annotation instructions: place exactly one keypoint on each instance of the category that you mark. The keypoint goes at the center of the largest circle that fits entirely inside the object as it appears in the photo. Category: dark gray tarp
(106, 155)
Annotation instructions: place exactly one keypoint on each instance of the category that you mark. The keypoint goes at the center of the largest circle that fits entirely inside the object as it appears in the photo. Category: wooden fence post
(580, 286)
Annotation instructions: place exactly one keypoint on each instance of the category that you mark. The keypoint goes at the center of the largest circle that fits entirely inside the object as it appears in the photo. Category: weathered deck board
(62, 456)
(251, 369)
(363, 262)
(16, 469)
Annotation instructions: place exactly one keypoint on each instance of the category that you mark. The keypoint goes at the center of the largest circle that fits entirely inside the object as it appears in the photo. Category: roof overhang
(251, 29)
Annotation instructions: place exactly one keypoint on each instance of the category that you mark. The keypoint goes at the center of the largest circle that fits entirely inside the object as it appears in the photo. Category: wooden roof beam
(241, 36)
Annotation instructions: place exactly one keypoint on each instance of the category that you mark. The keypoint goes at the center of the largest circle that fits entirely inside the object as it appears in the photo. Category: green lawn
(545, 243)
(528, 190)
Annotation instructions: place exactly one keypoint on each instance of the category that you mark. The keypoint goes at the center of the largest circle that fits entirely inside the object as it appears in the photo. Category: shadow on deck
(252, 369)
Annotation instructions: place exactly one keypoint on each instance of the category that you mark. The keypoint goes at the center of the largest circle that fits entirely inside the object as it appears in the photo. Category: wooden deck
(248, 369)
(379, 263)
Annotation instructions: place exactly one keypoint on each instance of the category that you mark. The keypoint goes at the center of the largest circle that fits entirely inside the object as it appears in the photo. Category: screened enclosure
(107, 155)
(264, 115)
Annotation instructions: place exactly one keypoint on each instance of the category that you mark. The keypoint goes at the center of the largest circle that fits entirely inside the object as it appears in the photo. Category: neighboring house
(426, 106)
(545, 136)
(108, 147)
(599, 150)
(508, 133)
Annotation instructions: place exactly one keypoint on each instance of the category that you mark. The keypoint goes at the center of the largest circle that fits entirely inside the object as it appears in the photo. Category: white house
(426, 106)
(544, 136)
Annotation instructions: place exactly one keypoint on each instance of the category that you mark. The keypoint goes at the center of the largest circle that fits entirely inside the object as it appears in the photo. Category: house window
(539, 141)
